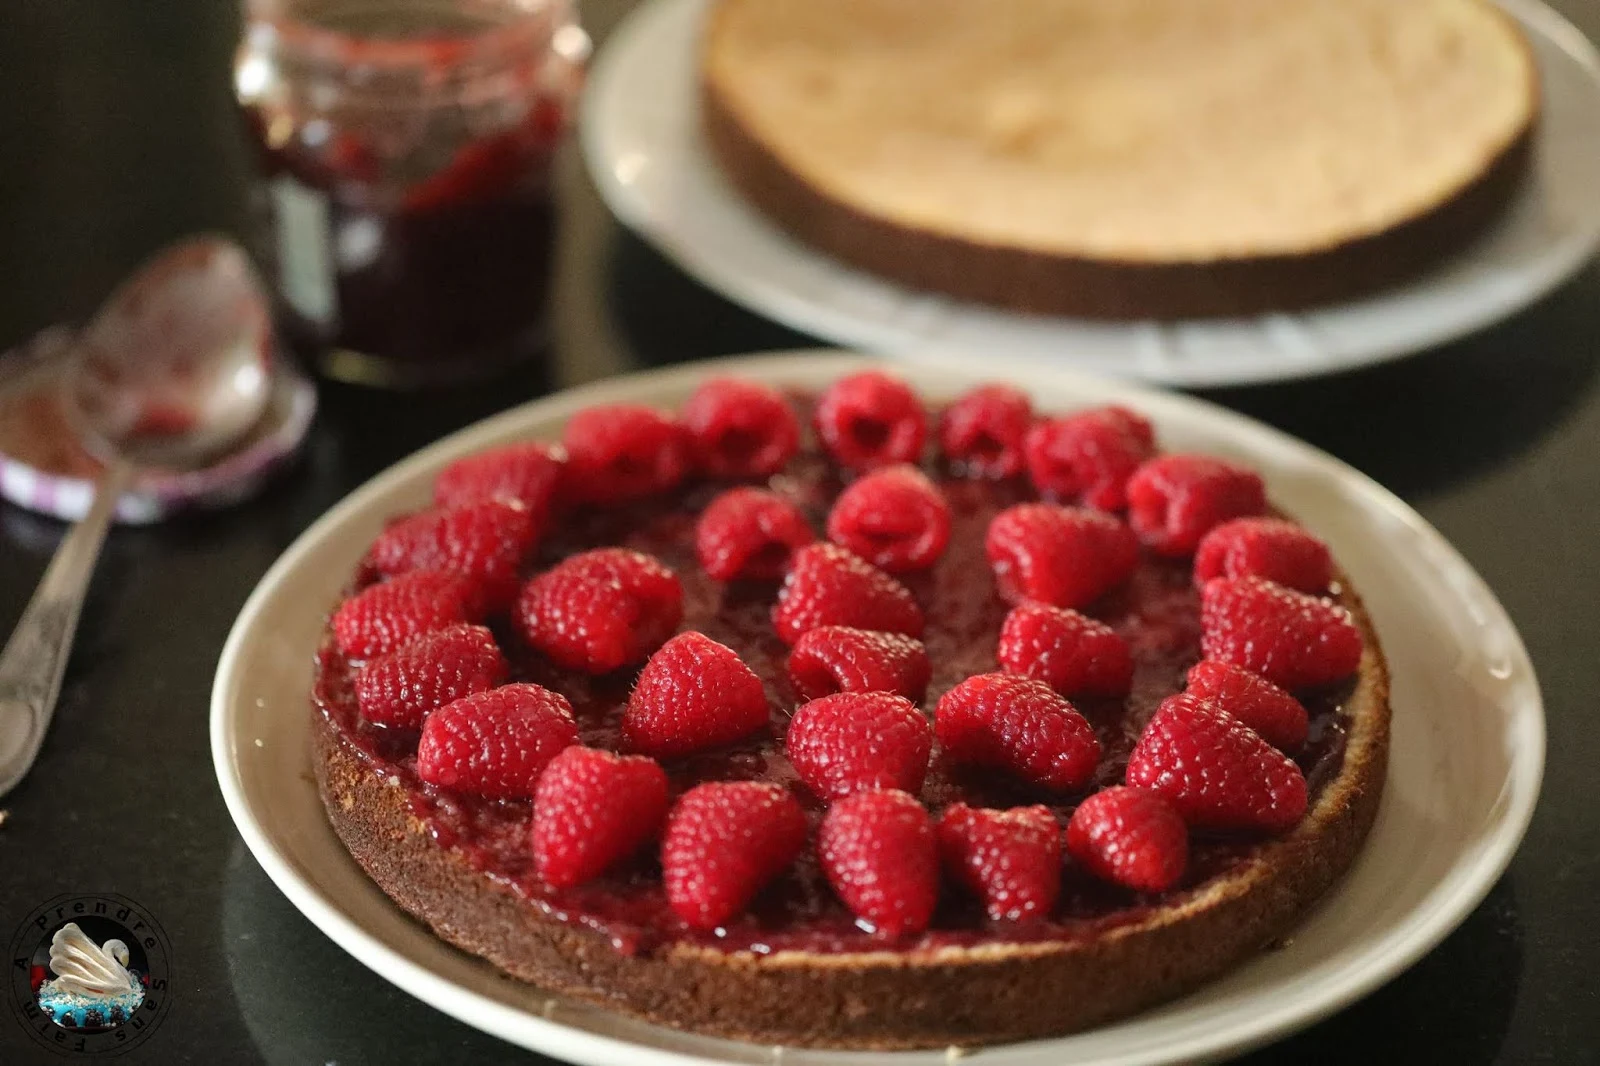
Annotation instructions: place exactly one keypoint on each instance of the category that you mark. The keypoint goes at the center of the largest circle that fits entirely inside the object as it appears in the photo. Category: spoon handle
(35, 657)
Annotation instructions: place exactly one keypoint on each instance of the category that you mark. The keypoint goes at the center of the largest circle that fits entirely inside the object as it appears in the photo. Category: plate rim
(1567, 256)
(1393, 954)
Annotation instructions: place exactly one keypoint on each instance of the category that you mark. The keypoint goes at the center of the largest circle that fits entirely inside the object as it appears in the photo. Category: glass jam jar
(407, 147)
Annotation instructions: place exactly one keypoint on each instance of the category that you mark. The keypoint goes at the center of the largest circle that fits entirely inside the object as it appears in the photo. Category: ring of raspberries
(446, 596)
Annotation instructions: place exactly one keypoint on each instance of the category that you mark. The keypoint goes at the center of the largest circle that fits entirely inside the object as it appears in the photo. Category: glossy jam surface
(1157, 611)
(440, 282)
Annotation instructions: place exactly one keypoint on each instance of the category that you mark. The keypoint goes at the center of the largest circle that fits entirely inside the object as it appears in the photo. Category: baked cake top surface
(1148, 131)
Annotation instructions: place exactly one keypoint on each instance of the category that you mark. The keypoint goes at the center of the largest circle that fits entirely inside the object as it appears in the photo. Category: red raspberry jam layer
(1157, 611)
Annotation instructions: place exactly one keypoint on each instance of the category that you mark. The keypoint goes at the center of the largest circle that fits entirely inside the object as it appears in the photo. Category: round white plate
(641, 136)
(1468, 748)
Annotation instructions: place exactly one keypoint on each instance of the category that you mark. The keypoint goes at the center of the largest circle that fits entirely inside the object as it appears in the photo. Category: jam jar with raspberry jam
(407, 148)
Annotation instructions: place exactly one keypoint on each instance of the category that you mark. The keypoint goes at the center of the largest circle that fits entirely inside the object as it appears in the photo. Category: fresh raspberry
(399, 689)
(880, 854)
(1073, 654)
(983, 431)
(601, 609)
(624, 452)
(829, 586)
(1130, 837)
(870, 419)
(723, 843)
(1268, 548)
(1175, 500)
(1291, 639)
(484, 542)
(1215, 770)
(1066, 556)
(832, 659)
(749, 533)
(592, 809)
(1009, 859)
(855, 741)
(1089, 456)
(382, 617)
(1258, 703)
(693, 694)
(1017, 724)
(894, 518)
(529, 473)
(740, 428)
(495, 743)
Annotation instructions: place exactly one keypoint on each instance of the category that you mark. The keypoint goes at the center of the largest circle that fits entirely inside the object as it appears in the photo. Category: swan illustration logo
(93, 986)
(91, 974)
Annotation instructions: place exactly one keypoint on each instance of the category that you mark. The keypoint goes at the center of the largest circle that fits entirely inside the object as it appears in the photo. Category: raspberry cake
(839, 721)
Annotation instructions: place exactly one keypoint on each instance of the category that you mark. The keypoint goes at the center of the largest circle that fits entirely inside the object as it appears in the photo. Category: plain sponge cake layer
(1132, 133)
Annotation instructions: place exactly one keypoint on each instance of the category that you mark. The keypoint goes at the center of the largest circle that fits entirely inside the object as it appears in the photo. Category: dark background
(117, 134)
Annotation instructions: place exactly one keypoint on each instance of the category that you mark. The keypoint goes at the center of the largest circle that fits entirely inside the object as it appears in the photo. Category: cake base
(989, 993)
(1058, 280)
(1049, 284)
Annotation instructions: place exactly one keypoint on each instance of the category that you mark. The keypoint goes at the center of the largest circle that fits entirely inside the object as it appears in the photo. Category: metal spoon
(173, 372)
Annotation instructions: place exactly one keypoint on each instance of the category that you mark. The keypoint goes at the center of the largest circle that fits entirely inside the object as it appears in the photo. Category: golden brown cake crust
(1062, 284)
(956, 996)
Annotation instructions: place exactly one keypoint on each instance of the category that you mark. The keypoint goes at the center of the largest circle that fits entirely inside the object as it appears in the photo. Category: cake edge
(959, 996)
(1049, 283)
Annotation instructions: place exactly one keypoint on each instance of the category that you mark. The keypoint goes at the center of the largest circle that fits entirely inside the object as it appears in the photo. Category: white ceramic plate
(641, 136)
(1468, 748)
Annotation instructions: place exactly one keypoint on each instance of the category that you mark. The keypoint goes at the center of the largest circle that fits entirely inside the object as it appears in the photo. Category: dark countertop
(119, 136)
